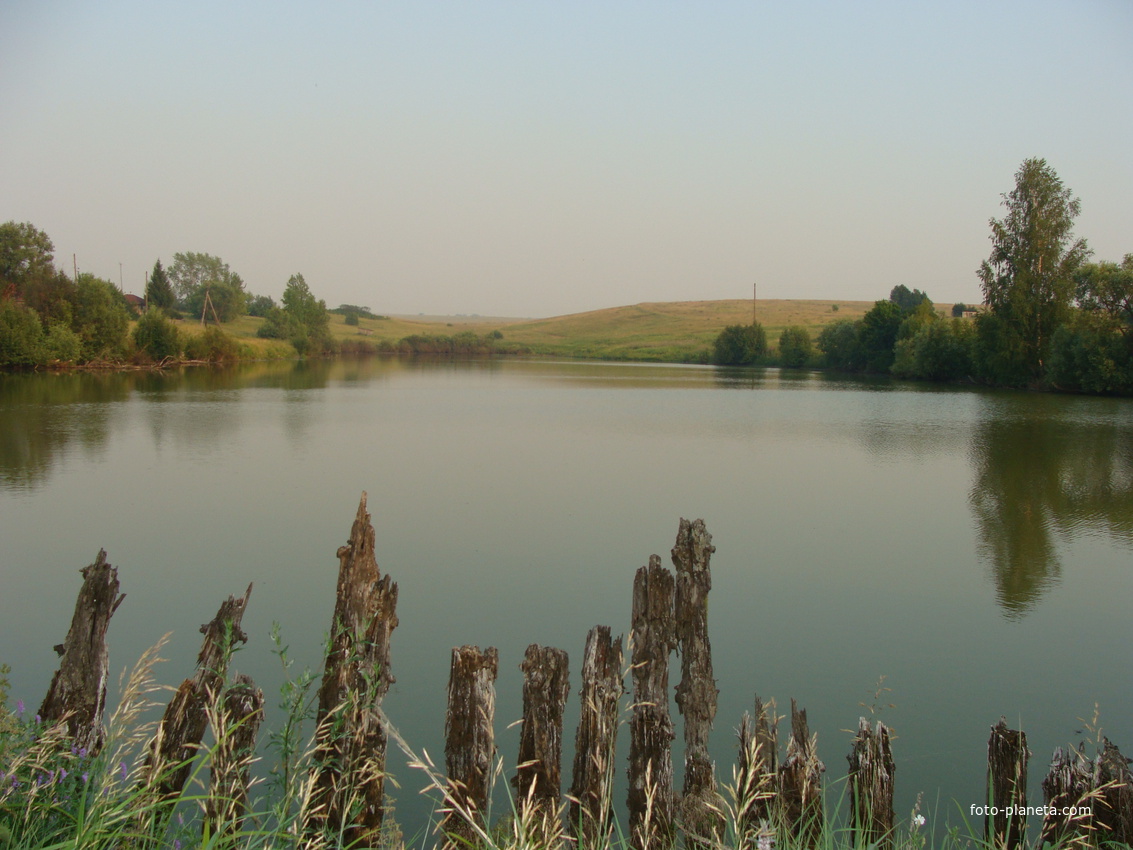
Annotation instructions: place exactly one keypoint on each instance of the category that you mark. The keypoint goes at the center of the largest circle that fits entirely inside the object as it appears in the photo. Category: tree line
(1050, 318)
(47, 317)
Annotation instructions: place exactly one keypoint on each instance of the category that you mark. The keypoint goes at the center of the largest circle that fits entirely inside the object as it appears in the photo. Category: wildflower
(38, 720)
(19, 708)
(86, 777)
(62, 773)
(122, 768)
(766, 841)
(82, 752)
(918, 821)
(176, 844)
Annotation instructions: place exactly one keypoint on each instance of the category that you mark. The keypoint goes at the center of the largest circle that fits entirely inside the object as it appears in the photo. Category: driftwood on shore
(469, 743)
(653, 638)
(538, 777)
(592, 789)
(183, 725)
(349, 775)
(77, 693)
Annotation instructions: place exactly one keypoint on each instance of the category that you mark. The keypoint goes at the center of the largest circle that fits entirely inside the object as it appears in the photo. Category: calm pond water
(972, 547)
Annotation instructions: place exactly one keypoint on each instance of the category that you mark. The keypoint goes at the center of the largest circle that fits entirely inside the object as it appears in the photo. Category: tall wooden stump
(757, 773)
(469, 743)
(186, 717)
(78, 688)
(240, 714)
(871, 785)
(701, 806)
(653, 638)
(1007, 756)
(538, 777)
(595, 741)
(800, 782)
(349, 773)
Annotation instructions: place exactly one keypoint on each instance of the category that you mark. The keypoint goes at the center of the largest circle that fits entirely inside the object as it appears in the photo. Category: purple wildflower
(62, 773)
(82, 752)
(86, 776)
(19, 708)
(122, 767)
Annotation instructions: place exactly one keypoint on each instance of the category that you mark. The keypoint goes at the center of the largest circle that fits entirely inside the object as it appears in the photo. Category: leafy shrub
(214, 345)
(938, 351)
(61, 344)
(156, 336)
(795, 347)
(21, 335)
(739, 345)
(1087, 356)
(352, 319)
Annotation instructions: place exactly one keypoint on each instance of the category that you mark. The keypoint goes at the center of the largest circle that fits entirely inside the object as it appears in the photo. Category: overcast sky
(538, 158)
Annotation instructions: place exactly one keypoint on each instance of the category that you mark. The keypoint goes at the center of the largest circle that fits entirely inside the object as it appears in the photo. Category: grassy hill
(677, 331)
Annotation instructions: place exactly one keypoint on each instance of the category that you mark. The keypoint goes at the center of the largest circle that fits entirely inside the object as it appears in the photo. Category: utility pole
(121, 286)
(754, 290)
(75, 262)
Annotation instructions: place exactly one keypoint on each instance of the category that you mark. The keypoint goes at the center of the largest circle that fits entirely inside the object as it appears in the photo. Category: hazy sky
(537, 158)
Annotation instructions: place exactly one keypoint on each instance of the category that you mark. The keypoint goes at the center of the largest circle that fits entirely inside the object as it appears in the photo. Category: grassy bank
(678, 331)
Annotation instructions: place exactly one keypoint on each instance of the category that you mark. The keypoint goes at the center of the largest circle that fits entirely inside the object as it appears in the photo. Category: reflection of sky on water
(513, 501)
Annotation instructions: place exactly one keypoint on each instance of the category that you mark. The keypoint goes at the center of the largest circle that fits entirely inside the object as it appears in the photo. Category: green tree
(1028, 281)
(1106, 289)
(228, 301)
(958, 309)
(26, 254)
(159, 291)
(908, 300)
(190, 271)
(877, 335)
(100, 318)
(795, 347)
(840, 346)
(260, 305)
(308, 317)
(739, 345)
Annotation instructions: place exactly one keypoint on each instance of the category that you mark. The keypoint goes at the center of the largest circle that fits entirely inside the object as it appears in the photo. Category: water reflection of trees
(43, 415)
(1045, 474)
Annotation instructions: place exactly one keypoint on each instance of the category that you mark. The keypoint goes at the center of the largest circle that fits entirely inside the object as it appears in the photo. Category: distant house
(137, 303)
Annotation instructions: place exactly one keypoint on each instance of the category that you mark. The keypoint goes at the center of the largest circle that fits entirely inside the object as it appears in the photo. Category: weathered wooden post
(186, 717)
(1099, 790)
(757, 774)
(538, 777)
(701, 807)
(1067, 784)
(595, 741)
(1114, 812)
(652, 640)
(78, 688)
(800, 782)
(1007, 756)
(871, 785)
(239, 716)
(469, 743)
(349, 772)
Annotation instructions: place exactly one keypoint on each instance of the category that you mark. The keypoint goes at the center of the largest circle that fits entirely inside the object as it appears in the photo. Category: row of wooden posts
(669, 614)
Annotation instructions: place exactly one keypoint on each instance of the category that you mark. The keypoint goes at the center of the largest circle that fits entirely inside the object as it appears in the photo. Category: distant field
(673, 331)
